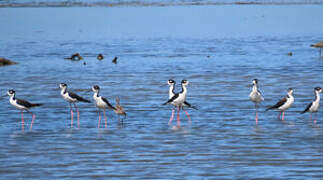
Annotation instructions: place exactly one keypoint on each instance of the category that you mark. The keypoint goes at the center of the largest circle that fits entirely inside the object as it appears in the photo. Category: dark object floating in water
(100, 57)
(318, 45)
(115, 60)
(290, 54)
(208, 56)
(84, 63)
(5, 62)
(75, 57)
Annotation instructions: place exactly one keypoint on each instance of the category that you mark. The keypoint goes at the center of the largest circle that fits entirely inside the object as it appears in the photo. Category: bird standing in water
(22, 105)
(119, 109)
(72, 98)
(284, 103)
(314, 106)
(179, 101)
(255, 96)
(101, 103)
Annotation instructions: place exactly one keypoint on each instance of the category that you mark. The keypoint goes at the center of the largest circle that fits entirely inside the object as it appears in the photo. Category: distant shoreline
(147, 4)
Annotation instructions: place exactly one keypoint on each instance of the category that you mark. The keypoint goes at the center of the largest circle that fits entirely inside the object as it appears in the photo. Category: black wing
(189, 105)
(307, 108)
(277, 105)
(172, 99)
(24, 103)
(79, 98)
(107, 102)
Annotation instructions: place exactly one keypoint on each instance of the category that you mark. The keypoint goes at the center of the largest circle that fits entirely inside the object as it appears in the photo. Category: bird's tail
(303, 112)
(269, 108)
(35, 105)
(84, 100)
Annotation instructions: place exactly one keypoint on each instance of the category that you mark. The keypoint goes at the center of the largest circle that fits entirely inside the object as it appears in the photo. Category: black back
(172, 99)
(278, 104)
(107, 102)
(79, 98)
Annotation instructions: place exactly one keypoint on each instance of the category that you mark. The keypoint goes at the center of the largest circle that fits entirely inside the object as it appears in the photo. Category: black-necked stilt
(119, 109)
(115, 60)
(314, 106)
(22, 105)
(178, 100)
(75, 57)
(255, 96)
(100, 56)
(72, 98)
(171, 93)
(101, 103)
(284, 103)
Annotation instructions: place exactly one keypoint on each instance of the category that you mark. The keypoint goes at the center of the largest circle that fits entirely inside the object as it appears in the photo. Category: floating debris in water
(5, 62)
(290, 54)
(100, 57)
(318, 45)
(75, 57)
(115, 60)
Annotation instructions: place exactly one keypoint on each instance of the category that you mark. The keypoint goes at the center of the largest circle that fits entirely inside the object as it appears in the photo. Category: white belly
(315, 107)
(255, 97)
(100, 103)
(180, 100)
(68, 98)
(14, 103)
(287, 105)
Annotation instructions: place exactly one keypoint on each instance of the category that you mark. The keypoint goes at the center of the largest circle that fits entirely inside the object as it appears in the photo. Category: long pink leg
(178, 120)
(283, 115)
(71, 115)
(22, 121)
(256, 117)
(172, 117)
(256, 114)
(188, 116)
(32, 120)
(99, 120)
(314, 118)
(105, 118)
(78, 116)
(279, 114)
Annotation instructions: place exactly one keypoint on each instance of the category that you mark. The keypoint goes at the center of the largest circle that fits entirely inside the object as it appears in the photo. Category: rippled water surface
(219, 49)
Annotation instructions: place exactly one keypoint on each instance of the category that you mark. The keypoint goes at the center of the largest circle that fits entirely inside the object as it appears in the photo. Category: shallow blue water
(154, 44)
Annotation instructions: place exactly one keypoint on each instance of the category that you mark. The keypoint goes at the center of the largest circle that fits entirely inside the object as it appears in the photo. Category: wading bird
(284, 103)
(22, 105)
(255, 96)
(314, 106)
(72, 98)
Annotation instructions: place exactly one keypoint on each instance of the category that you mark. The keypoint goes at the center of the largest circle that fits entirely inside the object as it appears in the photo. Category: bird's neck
(63, 90)
(184, 90)
(13, 97)
(254, 88)
(290, 95)
(96, 94)
(171, 90)
(317, 96)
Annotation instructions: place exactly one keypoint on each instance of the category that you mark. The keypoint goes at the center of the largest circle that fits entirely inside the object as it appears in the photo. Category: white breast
(179, 100)
(68, 98)
(255, 96)
(315, 107)
(14, 103)
(99, 102)
(287, 104)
